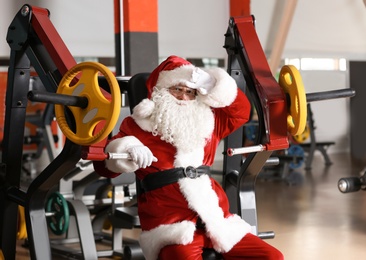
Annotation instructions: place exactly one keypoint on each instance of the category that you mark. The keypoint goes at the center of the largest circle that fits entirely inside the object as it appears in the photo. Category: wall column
(139, 44)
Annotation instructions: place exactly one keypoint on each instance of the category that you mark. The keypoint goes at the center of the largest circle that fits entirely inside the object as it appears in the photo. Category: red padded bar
(270, 93)
(52, 41)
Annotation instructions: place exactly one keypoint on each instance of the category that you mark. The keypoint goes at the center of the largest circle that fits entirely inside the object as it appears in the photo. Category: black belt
(157, 180)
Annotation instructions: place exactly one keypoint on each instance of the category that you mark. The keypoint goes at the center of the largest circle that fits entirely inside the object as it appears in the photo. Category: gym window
(318, 63)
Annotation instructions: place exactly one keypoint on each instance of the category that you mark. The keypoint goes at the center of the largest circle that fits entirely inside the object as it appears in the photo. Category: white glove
(141, 155)
(202, 81)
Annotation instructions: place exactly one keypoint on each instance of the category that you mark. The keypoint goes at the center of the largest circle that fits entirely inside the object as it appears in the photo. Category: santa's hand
(141, 155)
(202, 81)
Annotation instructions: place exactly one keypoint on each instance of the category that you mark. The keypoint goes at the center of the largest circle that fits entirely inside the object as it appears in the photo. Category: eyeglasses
(179, 91)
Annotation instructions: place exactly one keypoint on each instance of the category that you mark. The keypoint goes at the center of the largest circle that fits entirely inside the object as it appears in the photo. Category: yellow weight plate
(291, 82)
(300, 138)
(22, 227)
(82, 80)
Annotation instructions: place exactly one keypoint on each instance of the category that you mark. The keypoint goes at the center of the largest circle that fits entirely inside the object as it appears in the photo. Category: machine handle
(248, 149)
(115, 156)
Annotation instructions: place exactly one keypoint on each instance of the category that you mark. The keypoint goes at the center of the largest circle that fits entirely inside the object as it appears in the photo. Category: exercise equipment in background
(57, 213)
(353, 183)
(311, 147)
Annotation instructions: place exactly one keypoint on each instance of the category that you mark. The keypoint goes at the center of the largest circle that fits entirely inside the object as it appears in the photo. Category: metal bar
(112, 156)
(244, 150)
(246, 200)
(37, 230)
(16, 195)
(12, 148)
(85, 230)
(333, 94)
(61, 99)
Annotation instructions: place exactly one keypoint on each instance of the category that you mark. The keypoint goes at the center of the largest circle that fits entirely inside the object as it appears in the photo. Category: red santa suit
(168, 215)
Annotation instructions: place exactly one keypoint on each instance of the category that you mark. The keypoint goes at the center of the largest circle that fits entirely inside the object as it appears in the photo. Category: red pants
(250, 247)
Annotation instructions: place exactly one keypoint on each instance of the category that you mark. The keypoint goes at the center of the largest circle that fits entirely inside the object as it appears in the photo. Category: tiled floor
(310, 217)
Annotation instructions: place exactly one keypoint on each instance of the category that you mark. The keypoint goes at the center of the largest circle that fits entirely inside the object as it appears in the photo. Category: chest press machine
(35, 44)
(281, 108)
(33, 40)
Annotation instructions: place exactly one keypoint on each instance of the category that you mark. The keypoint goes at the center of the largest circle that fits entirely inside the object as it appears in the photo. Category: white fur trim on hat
(154, 240)
(223, 93)
(180, 75)
(224, 232)
(121, 145)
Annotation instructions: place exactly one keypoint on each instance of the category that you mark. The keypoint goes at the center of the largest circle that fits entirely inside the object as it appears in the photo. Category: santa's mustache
(181, 121)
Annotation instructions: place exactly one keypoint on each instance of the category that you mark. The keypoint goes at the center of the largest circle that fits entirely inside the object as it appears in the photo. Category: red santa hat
(173, 71)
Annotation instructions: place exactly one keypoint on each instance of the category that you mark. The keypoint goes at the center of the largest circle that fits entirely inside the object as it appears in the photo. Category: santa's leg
(192, 251)
(252, 247)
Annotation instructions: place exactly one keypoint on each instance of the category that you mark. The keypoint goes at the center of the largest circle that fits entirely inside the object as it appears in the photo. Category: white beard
(185, 124)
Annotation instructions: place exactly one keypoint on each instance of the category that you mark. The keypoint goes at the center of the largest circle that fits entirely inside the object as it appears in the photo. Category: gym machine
(281, 108)
(288, 160)
(35, 44)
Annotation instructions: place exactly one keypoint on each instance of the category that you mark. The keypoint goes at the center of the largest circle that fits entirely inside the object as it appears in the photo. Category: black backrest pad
(136, 89)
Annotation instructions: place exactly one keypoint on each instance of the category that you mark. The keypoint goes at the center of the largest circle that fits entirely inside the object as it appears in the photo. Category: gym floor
(310, 217)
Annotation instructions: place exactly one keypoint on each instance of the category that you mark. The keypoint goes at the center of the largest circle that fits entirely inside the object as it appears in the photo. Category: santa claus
(171, 138)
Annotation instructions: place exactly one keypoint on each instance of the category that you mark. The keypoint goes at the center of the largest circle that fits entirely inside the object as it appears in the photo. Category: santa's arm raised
(219, 90)
(215, 87)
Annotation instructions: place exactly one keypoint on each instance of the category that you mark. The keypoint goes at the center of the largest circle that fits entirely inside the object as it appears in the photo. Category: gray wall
(321, 28)
(86, 26)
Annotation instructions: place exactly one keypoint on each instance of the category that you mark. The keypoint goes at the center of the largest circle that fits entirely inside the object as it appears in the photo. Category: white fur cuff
(121, 145)
(154, 240)
(144, 109)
